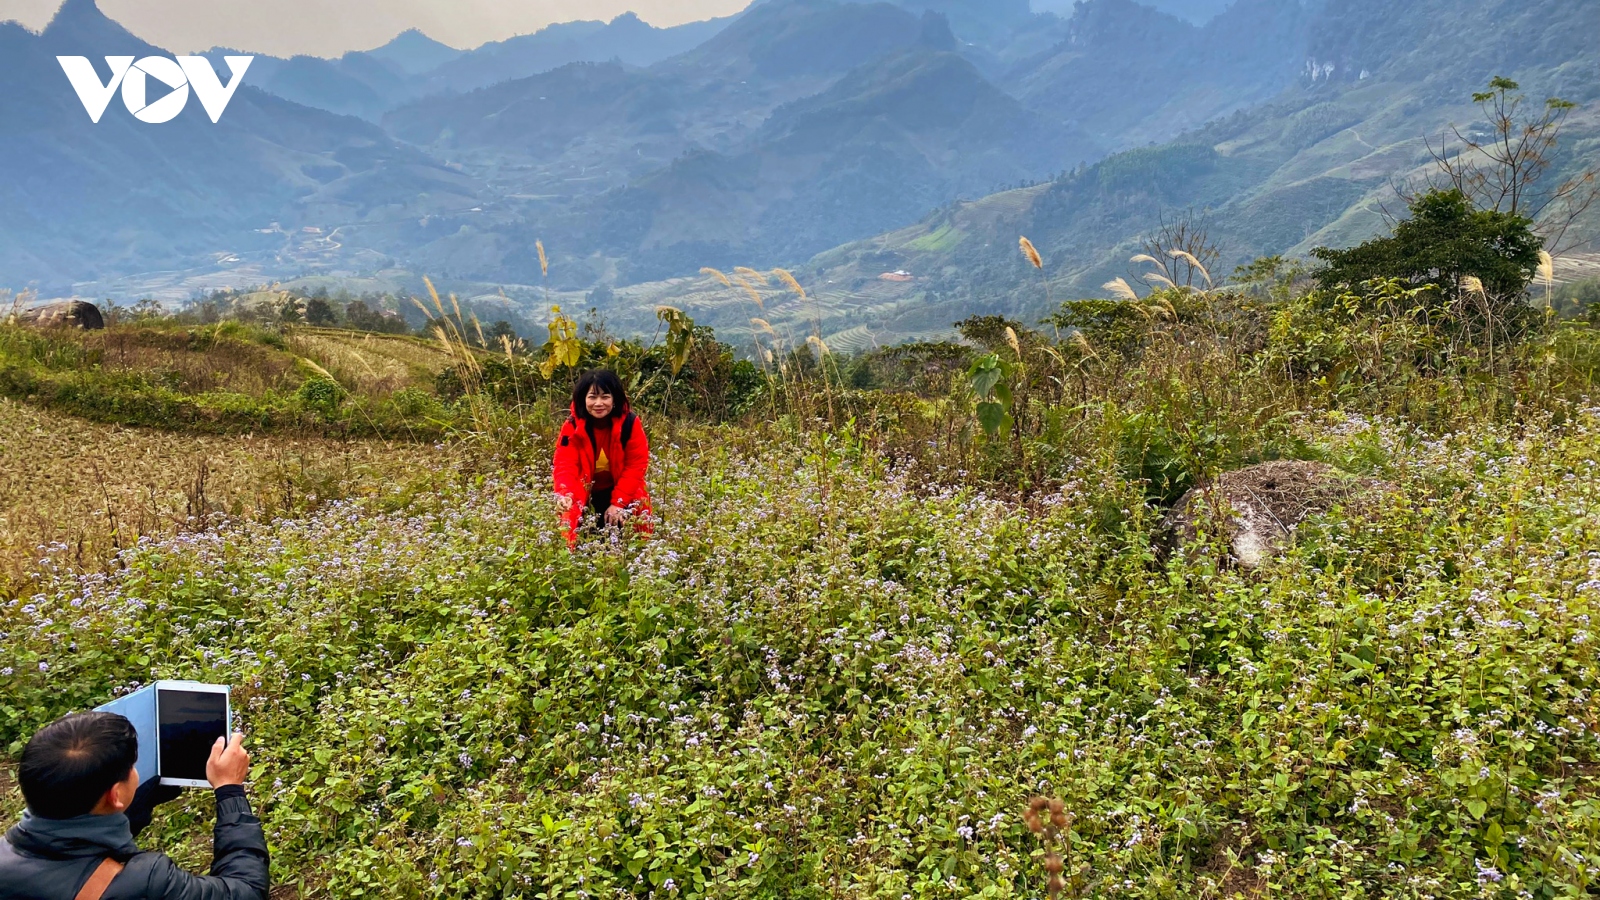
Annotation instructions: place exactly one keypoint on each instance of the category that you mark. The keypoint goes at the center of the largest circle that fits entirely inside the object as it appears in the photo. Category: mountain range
(81, 198)
(865, 137)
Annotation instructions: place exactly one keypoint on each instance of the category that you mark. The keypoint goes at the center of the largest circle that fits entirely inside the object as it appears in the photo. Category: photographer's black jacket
(50, 859)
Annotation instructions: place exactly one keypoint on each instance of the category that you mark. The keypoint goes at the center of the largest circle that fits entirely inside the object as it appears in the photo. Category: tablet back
(139, 708)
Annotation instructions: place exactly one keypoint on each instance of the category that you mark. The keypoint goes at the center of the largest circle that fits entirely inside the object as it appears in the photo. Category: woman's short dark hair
(608, 383)
(71, 763)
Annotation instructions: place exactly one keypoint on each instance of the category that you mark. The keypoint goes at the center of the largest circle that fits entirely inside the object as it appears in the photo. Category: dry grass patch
(96, 488)
(371, 364)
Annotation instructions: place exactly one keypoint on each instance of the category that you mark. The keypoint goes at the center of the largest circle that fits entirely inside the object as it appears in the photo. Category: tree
(291, 311)
(319, 312)
(1507, 169)
(1182, 252)
(501, 329)
(1444, 242)
(363, 317)
(1474, 267)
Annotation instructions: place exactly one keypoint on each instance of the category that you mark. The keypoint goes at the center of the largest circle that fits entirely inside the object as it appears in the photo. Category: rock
(73, 313)
(1265, 503)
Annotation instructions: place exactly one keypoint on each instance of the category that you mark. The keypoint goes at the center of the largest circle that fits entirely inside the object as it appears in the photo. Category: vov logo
(178, 74)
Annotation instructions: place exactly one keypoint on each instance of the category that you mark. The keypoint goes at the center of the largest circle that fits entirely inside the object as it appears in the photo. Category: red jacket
(627, 451)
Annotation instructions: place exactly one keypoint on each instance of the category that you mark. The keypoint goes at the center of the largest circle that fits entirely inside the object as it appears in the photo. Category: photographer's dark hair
(71, 763)
(608, 383)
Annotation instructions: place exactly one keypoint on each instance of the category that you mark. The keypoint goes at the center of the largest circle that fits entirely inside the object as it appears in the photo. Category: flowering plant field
(832, 674)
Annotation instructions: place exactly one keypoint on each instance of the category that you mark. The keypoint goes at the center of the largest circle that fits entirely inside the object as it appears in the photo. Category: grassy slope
(229, 378)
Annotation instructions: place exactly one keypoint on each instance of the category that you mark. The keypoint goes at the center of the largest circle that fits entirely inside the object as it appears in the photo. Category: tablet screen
(190, 723)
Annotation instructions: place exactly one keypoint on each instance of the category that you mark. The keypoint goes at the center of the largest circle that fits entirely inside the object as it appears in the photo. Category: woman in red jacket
(601, 457)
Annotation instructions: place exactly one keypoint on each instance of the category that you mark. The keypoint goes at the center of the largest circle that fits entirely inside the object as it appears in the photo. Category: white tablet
(189, 718)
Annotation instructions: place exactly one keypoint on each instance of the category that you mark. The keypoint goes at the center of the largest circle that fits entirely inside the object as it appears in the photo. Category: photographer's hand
(229, 762)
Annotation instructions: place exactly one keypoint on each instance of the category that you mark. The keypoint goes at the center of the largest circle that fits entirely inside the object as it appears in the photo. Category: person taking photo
(601, 458)
(85, 807)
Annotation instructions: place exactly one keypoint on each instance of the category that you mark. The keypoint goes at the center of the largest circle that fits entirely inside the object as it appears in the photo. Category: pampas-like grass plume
(544, 261)
(751, 290)
(1011, 338)
(821, 345)
(1032, 253)
(1081, 341)
(764, 325)
(717, 274)
(1190, 258)
(1472, 284)
(319, 370)
(1547, 269)
(789, 280)
(1120, 289)
(434, 293)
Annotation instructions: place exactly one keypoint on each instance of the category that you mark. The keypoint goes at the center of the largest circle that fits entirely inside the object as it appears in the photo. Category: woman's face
(598, 402)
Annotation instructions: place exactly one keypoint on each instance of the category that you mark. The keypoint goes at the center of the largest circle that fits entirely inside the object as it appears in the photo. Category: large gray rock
(72, 313)
(1257, 509)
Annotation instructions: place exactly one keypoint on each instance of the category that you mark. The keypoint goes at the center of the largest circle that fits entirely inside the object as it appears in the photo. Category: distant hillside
(798, 127)
(980, 21)
(1314, 166)
(414, 53)
(889, 139)
(1129, 74)
(625, 39)
(1198, 12)
(356, 84)
(370, 83)
(671, 138)
(83, 199)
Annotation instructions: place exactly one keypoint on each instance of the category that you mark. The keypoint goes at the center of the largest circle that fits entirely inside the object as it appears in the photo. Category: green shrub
(322, 395)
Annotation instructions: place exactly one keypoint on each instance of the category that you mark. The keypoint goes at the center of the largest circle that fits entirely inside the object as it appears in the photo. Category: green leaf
(1494, 835)
(984, 381)
(992, 416)
(1477, 807)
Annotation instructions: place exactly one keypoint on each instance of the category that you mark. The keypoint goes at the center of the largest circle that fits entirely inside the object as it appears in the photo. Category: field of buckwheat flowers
(829, 676)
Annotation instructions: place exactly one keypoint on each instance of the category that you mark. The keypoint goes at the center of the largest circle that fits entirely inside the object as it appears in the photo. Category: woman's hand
(616, 515)
(563, 502)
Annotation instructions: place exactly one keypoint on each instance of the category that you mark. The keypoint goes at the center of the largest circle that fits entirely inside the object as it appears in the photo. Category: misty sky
(331, 27)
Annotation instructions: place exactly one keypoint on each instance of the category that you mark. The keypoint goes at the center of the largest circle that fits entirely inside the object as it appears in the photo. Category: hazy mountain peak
(936, 32)
(77, 11)
(413, 52)
(81, 29)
